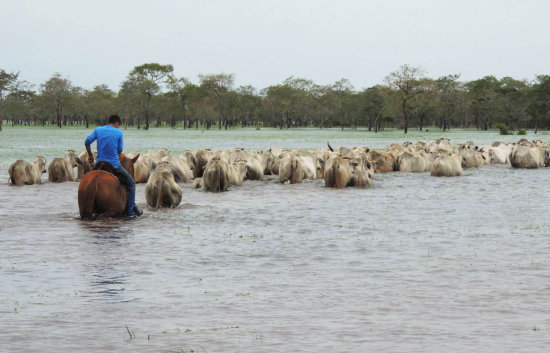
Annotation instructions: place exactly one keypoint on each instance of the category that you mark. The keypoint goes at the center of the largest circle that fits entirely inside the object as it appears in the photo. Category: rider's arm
(120, 144)
(90, 154)
(87, 143)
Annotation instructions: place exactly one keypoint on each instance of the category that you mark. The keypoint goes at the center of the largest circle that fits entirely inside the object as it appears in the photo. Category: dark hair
(113, 119)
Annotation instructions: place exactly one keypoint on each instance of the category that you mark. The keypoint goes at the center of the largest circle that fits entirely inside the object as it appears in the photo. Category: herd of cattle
(342, 167)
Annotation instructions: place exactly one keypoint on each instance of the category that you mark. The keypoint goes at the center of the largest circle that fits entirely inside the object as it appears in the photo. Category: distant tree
(425, 102)
(130, 101)
(57, 91)
(148, 80)
(344, 104)
(514, 96)
(448, 99)
(248, 105)
(486, 105)
(17, 104)
(182, 89)
(406, 83)
(99, 104)
(217, 88)
(8, 81)
(376, 100)
(75, 109)
(539, 102)
(281, 103)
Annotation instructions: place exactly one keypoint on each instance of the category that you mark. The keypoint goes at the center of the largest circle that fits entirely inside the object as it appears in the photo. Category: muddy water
(413, 264)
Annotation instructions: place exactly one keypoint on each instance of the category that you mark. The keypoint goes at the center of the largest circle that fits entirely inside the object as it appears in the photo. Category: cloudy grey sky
(264, 42)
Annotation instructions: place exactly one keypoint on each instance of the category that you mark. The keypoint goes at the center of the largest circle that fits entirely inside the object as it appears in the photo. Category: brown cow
(338, 173)
(383, 162)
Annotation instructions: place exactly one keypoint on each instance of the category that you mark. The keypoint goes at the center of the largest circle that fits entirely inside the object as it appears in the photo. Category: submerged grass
(130, 333)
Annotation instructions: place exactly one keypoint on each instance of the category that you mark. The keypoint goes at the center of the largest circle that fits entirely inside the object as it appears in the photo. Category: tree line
(151, 95)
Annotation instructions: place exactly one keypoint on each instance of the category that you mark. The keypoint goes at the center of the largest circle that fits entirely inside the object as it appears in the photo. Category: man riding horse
(109, 146)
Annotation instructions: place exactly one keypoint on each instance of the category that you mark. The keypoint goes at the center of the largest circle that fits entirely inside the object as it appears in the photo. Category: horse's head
(128, 163)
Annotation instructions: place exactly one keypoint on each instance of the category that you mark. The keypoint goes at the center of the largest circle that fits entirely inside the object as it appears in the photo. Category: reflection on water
(414, 263)
(107, 242)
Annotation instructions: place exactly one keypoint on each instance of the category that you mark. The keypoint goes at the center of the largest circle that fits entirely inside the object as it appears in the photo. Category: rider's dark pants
(130, 185)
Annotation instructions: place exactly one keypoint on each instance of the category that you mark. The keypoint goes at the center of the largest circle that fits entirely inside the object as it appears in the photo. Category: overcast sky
(265, 42)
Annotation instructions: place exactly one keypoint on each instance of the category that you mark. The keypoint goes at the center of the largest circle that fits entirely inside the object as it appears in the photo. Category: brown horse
(101, 192)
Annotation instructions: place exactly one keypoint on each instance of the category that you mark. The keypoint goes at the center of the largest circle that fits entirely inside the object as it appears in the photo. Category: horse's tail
(219, 181)
(336, 167)
(87, 190)
(158, 194)
(293, 167)
(11, 171)
(54, 172)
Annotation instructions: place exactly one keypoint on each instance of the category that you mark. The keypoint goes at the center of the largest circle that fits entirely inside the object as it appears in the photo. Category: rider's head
(114, 120)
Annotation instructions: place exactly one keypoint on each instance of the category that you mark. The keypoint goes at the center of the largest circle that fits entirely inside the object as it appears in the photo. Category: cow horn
(330, 147)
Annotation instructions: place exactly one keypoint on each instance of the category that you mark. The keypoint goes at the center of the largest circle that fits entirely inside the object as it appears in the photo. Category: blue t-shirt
(109, 143)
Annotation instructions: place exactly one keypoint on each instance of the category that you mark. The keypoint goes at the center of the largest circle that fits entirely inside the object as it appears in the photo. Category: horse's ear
(136, 158)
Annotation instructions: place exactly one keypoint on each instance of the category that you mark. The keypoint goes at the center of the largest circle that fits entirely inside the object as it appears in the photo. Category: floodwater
(413, 264)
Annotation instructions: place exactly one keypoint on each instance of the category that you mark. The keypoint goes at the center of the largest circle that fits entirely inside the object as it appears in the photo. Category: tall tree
(376, 100)
(342, 90)
(539, 102)
(406, 83)
(182, 89)
(8, 81)
(486, 104)
(57, 91)
(514, 96)
(247, 105)
(17, 104)
(449, 100)
(217, 88)
(148, 80)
